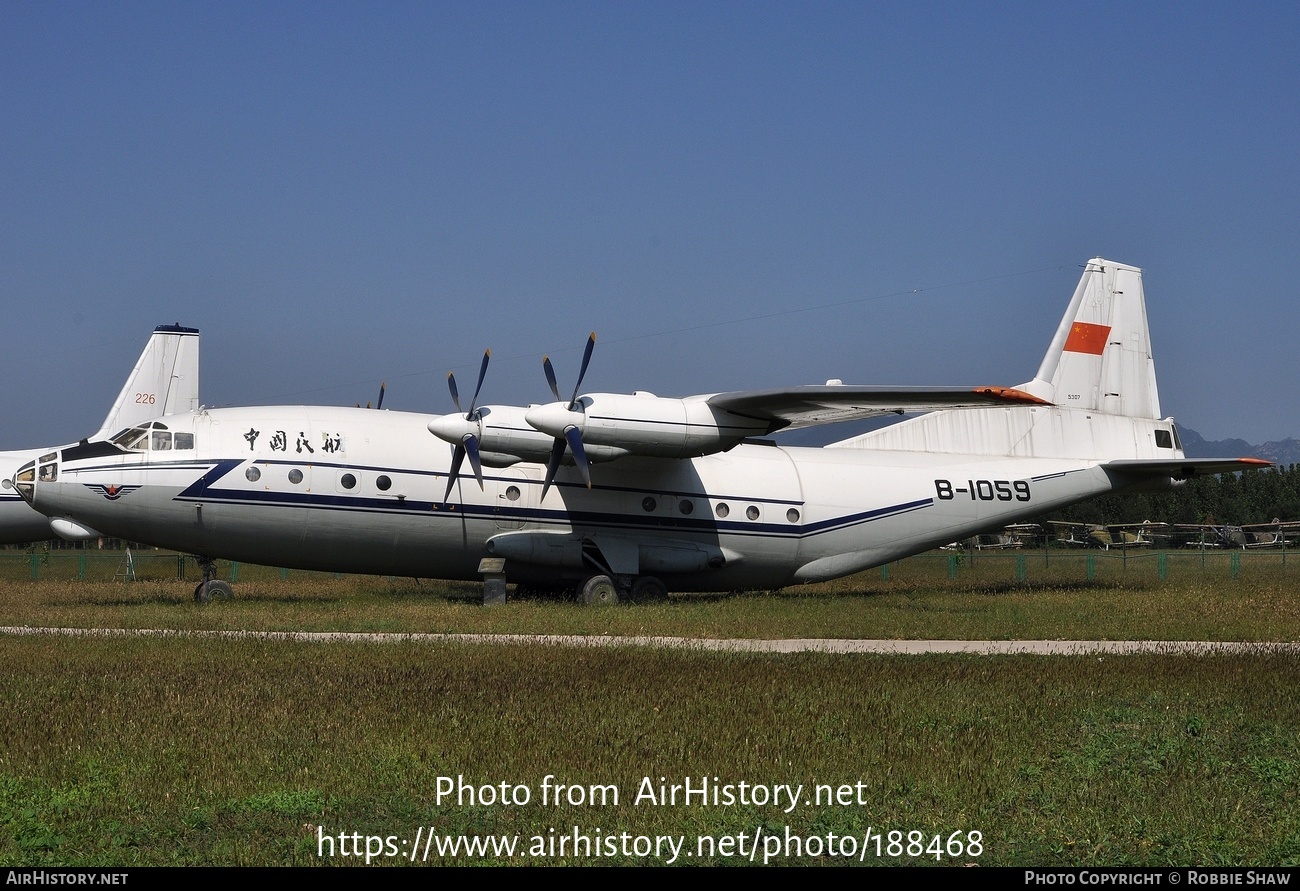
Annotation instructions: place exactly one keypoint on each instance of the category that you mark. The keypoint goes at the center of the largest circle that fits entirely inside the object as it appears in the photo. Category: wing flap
(794, 407)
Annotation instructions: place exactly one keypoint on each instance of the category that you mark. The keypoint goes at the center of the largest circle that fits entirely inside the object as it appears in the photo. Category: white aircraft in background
(165, 379)
(630, 496)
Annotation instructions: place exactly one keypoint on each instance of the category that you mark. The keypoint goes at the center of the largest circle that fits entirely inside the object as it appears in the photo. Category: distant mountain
(1285, 452)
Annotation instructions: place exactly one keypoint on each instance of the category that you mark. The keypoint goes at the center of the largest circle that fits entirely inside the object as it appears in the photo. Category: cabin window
(722, 510)
(348, 481)
(184, 440)
(295, 476)
(252, 474)
(792, 515)
(686, 507)
(751, 512)
(161, 441)
(512, 493)
(648, 504)
(383, 483)
(1164, 439)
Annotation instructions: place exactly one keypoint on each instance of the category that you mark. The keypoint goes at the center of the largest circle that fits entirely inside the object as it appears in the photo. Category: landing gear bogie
(607, 590)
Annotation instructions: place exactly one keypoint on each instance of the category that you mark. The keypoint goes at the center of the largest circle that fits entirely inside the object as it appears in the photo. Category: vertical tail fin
(164, 381)
(1100, 358)
(1098, 375)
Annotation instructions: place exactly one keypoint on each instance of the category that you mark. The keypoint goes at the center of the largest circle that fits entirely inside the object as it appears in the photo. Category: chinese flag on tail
(1086, 337)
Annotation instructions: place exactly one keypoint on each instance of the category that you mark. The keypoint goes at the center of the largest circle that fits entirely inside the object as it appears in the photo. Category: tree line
(1238, 499)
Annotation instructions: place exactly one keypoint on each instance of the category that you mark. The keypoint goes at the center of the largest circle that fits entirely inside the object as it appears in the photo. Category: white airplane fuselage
(676, 499)
(355, 490)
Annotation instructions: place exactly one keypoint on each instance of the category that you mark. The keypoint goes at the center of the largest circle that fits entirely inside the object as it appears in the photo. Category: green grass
(131, 751)
(917, 600)
(138, 751)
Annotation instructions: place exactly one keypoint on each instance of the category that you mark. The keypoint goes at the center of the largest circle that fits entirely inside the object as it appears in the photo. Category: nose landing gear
(211, 588)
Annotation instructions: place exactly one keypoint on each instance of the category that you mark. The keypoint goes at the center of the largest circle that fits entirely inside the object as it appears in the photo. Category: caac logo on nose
(112, 493)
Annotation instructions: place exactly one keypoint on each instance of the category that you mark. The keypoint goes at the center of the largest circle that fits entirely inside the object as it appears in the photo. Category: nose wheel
(211, 588)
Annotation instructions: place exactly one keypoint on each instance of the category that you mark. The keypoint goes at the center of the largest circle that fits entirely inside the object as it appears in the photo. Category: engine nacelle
(615, 424)
(504, 437)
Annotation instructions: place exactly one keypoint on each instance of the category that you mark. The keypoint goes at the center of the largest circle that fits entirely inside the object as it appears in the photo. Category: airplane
(1248, 537)
(1011, 537)
(625, 497)
(165, 378)
(1122, 536)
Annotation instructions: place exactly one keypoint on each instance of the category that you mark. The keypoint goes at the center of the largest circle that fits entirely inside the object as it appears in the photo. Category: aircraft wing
(1185, 468)
(793, 407)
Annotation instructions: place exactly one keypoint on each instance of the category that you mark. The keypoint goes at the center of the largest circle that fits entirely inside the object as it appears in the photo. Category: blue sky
(733, 195)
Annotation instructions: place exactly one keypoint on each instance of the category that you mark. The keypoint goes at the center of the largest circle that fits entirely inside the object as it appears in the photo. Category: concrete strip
(737, 645)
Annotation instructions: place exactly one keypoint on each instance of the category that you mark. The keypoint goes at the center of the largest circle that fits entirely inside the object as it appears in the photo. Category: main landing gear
(606, 590)
(211, 588)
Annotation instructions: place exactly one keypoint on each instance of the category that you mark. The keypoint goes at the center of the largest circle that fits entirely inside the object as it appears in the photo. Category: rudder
(1100, 358)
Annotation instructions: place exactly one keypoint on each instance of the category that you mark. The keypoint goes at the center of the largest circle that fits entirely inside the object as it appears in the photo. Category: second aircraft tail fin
(165, 380)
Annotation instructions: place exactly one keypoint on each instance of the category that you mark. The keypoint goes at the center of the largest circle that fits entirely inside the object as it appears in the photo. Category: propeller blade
(469, 442)
(550, 376)
(457, 457)
(382, 387)
(574, 438)
(553, 465)
(471, 449)
(582, 372)
(482, 373)
(455, 397)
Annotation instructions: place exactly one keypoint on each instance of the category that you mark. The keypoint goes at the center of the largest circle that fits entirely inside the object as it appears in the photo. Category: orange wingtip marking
(1086, 337)
(1011, 394)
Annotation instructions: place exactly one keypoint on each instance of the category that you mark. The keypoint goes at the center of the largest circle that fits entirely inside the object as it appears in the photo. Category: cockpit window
(153, 435)
(135, 439)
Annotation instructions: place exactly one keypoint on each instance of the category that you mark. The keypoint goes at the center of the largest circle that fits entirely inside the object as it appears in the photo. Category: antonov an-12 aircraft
(628, 497)
(165, 381)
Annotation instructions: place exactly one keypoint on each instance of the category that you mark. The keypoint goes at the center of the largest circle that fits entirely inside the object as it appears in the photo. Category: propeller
(572, 439)
(382, 387)
(468, 444)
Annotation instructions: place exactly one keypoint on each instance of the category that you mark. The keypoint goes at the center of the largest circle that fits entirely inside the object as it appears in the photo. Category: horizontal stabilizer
(1185, 468)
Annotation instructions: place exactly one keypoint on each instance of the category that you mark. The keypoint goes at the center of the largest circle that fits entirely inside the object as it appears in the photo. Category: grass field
(159, 751)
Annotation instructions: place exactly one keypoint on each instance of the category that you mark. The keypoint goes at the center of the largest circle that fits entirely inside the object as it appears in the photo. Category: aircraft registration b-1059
(630, 496)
